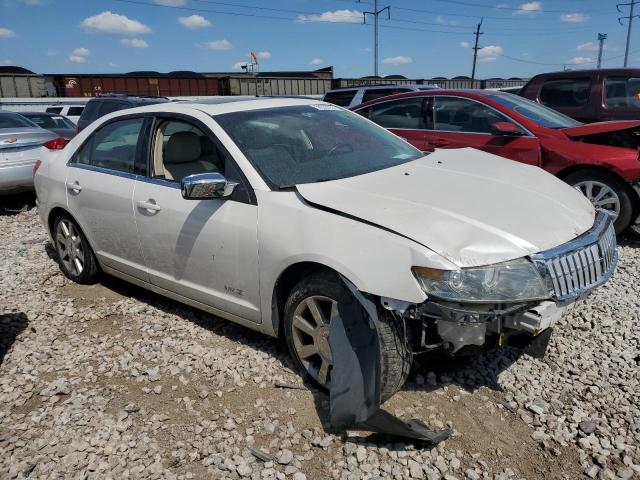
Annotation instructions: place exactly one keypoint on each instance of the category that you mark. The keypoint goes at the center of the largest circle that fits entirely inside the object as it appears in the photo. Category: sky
(420, 39)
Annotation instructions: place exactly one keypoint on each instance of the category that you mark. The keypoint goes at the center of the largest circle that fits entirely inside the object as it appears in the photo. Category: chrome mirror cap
(204, 186)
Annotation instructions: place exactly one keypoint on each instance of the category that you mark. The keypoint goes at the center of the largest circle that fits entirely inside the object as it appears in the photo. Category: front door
(461, 122)
(100, 182)
(204, 250)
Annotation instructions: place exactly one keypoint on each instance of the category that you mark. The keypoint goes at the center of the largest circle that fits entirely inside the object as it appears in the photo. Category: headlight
(513, 281)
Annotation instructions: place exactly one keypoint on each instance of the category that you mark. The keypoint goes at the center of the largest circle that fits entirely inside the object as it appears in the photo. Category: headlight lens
(513, 281)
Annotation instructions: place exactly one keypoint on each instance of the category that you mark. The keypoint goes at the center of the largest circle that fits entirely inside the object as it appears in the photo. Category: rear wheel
(75, 257)
(605, 192)
(310, 307)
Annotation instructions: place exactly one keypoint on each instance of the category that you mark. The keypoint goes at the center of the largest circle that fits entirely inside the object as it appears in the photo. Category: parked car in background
(272, 212)
(589, 95)
(58, 124)
(72, 112)
(21, 146)
(350, 96)
(525, 131)
(111, 102)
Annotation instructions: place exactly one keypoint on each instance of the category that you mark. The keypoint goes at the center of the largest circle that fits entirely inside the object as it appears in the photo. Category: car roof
(126, 98)
(385, 86)
(220, 108)
(48, 114)
(464, 92)
(587, 72)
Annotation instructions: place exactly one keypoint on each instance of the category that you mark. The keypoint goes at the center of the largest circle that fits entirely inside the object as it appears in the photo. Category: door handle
(74, 187)
(441, 142)
(150, 205)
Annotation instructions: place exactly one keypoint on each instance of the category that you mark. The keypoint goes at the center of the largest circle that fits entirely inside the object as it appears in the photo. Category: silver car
(21, 146)
(277, 213)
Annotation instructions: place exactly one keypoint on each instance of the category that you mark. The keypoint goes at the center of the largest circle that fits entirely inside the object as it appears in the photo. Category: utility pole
(631, 5)
(601, 38)
(477, 33)
(376, 13)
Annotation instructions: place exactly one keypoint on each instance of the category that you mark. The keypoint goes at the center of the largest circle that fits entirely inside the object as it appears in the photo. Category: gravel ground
(110, 381)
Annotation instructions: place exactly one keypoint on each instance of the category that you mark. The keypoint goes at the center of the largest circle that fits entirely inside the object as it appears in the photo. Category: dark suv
(589, 95)
(107, 103)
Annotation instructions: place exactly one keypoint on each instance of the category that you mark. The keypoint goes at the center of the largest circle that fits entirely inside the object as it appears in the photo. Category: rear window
(51, 121)
(14, 120)
(342, 97)
(54, 109)
(622, 92)
(75, 111)
(374, 93)
(565, 92)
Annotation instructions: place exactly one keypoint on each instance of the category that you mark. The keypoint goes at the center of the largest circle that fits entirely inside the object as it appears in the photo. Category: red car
(599, 159)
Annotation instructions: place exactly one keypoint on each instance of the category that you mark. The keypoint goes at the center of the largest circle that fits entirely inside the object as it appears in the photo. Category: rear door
(406, 117)
(462, 122)
(100, 184)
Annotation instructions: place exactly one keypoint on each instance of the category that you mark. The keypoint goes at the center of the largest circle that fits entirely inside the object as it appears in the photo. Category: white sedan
(269, 213)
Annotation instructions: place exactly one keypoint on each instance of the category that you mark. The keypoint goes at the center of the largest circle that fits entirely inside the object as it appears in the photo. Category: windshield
(14, 120)
(51, 121)
(535, 112)
(313, 143)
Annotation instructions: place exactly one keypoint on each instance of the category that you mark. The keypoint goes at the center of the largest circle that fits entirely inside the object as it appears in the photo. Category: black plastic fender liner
(355, 377)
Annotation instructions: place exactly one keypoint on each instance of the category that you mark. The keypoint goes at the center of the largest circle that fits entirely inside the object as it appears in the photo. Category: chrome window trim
(582, 246)
(160, 181)
(526, 130)
(108, 171)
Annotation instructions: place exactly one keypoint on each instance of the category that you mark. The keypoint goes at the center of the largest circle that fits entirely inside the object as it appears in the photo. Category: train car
(18, 82)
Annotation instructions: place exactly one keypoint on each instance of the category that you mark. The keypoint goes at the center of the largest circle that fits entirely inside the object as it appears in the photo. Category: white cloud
(490, 53)
(530, 8)
(108, 22)
(33, 2)
(398, 60)
(443, 21)
(6, 33)
(264, 55)
(465, 44)
(316, 61)
(79, 55)
(580, 60)
(194, 22)
(134, 42)
(6, 61)
(574, 17)
(338, 16)
(171, 3)
(113, 65)
(219, 45)
(239, 65)
(587, 47)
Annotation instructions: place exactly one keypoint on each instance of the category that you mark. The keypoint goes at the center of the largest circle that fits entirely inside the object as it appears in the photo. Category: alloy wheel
(600, 195)
(70, 247)
(310, 333)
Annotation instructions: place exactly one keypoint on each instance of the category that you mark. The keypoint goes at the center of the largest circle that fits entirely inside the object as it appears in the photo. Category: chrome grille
(582, 264)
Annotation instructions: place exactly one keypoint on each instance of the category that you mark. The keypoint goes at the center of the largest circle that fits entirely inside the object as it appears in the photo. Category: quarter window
(54, 109)
(566, 92)
(408, 113)
(341, 97)
(622, 92)
(113, 146)
(462, 115)
(75, 111)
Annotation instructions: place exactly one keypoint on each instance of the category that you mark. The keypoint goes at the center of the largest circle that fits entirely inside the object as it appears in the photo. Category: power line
(630, 20)
(376, 13)
(505, 7)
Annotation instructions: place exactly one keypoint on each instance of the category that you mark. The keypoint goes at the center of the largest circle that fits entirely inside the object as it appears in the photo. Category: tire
(324, 290)
(581, 180)
(75, 256)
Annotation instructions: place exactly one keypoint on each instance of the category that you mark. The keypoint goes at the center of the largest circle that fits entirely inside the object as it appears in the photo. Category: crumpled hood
(599, 127)
(471, 207)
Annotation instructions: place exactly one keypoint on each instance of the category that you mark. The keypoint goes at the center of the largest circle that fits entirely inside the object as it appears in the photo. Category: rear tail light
(55, 144)
(36, 166)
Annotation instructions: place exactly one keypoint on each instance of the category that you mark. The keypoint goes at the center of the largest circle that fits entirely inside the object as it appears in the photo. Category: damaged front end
(509, 303)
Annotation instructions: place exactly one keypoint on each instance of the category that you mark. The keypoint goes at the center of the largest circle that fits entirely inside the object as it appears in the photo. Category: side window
(182, 149)
(54, 109)
(374, 93)
(341, 98)
(566, 92)
(109, 107)
(622, 92)
(75, 111)
(113, 146)
(408, 113)
(462, 115)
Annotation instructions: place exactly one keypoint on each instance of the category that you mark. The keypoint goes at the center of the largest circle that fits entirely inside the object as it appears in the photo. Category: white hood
(471, 207)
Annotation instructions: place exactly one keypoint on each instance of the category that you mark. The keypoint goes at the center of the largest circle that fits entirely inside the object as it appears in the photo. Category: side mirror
(205, 186)
(506, 128)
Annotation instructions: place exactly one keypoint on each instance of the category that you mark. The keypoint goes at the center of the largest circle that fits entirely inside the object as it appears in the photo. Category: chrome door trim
(108, 171)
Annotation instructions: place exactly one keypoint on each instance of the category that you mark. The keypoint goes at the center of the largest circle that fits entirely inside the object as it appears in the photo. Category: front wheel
(312, 304)
(605, 192)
